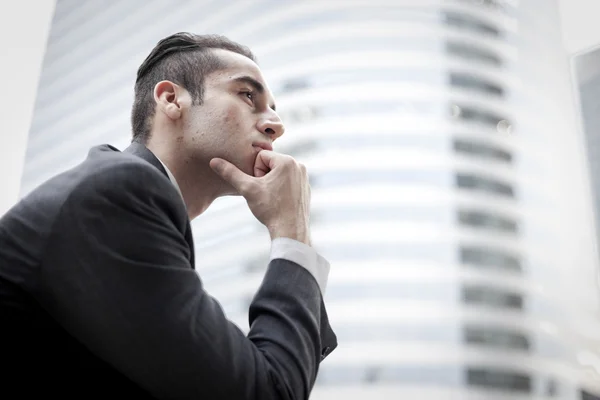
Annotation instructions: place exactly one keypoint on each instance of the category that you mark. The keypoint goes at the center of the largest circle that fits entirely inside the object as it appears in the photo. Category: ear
(168, 97)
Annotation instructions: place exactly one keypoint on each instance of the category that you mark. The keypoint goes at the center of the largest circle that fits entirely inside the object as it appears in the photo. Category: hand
(278, 195)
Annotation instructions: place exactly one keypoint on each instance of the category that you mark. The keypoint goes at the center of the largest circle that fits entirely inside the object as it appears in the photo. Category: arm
(118, 278)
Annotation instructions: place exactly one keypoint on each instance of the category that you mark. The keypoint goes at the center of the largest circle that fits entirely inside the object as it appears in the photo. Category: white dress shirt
(289, 249)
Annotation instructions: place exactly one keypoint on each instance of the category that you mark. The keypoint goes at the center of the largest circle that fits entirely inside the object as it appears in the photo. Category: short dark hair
(182, 58)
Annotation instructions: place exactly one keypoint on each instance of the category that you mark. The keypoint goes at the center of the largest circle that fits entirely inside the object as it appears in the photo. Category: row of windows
(471, 294)
(498, 379)
(490, 258)
(487, 220)
(482, 257)
(471, 24)
(465, 181)
(469, 114)
(456, 79)
(481, 377)
(459, 112)
(474, 53)
(494, 337)
(471, 82)
(466, 147)
(471, 334)
(475, 256)
(482, 150)
(492, 297)
(486, 185)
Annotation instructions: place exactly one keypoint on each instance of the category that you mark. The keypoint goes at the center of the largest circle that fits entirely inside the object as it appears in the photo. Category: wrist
(296, 233)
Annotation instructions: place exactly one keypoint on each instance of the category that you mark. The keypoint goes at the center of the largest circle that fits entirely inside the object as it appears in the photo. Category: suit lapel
(142, 151)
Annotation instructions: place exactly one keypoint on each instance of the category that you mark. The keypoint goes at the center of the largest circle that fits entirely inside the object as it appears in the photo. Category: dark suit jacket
(99, 297)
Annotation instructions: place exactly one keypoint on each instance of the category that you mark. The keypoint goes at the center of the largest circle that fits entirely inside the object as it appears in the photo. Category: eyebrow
(256, 85)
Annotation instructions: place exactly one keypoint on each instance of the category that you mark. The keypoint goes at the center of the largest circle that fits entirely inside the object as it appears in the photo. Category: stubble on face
(224, 125)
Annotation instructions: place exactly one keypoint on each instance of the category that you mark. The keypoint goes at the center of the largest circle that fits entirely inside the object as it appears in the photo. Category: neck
(199, 185)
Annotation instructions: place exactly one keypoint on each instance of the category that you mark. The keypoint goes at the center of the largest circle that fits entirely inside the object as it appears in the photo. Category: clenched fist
(278, 195)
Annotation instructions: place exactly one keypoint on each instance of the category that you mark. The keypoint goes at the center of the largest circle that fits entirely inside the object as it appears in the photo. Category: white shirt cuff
(303, 255)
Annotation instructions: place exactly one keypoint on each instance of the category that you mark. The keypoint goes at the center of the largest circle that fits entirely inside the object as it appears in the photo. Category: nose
(270, 125)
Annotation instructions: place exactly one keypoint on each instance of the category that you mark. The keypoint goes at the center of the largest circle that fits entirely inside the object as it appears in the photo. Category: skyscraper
(586, 68)
(449, 191)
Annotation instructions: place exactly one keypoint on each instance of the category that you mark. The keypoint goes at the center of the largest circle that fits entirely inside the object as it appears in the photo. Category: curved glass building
(450, 190)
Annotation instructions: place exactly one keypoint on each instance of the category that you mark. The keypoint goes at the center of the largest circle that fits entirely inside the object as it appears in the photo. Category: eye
(249, 95)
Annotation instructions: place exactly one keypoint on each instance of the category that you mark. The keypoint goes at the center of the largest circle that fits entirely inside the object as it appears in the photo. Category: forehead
(235, 66)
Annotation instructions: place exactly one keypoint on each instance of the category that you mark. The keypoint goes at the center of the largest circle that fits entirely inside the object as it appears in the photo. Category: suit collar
(141, 151)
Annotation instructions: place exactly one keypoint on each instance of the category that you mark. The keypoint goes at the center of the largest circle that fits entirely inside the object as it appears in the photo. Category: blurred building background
(450, 186)
(586, 66)
(586, 73)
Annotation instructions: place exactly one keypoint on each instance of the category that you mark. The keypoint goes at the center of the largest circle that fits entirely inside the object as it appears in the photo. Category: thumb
(230, 173)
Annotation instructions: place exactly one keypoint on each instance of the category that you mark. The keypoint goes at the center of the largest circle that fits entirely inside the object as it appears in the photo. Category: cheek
(233, 118)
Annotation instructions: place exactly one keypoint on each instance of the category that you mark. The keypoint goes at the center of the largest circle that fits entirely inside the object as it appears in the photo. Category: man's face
(237, 117)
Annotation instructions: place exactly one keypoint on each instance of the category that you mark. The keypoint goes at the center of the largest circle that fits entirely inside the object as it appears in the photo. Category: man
(98, 293)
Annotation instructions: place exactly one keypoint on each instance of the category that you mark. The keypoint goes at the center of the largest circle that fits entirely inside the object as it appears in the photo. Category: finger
(231, 174)
(261, 167)
(269, 158)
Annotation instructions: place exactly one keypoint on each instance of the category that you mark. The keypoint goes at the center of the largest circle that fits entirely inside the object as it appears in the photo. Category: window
(496, 337)
(474, 83)
(481, 150)
(485, 220)
(481, 184)
(491, 297)
(467, 22)
(473, 115)
(499, 379)
(485, 257)
(473, 53)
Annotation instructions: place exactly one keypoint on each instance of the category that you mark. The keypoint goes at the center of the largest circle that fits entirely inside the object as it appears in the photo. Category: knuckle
(245, 188)
(254, 190)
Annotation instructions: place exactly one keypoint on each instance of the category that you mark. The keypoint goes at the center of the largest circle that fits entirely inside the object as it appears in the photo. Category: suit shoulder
(116, 170)
(106, 170)
(106, 162)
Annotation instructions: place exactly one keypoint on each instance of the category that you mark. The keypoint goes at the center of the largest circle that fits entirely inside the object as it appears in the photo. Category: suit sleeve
(117, 276)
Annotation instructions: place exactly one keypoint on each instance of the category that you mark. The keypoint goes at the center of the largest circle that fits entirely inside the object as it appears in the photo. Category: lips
(263, 146)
